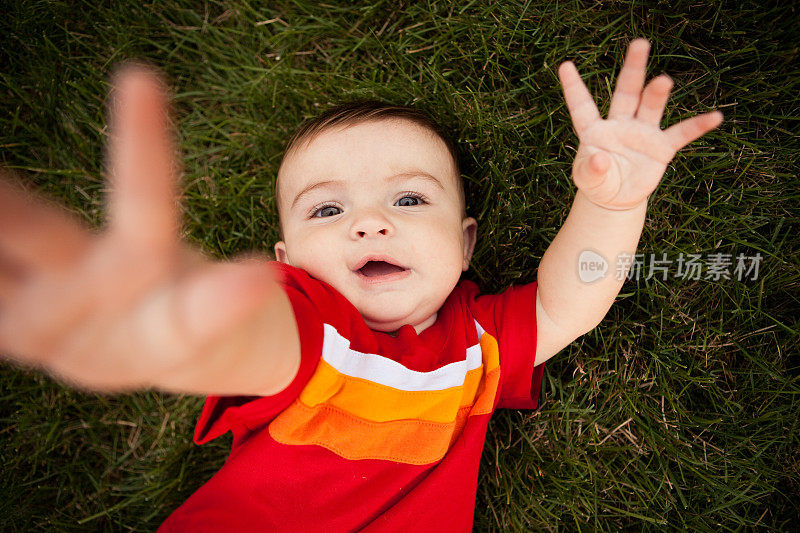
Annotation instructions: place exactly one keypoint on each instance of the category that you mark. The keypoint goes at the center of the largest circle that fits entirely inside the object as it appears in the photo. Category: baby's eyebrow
(339, 183)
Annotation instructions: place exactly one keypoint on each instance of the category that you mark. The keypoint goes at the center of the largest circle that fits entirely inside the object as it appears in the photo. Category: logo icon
(591, 266)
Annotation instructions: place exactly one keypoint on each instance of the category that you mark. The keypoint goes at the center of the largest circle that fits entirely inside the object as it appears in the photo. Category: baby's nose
(383, 231)
(372, 225)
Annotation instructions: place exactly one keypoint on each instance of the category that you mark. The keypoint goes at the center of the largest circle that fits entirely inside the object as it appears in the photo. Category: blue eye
(409, 199)
(418, 200)
(421, 199)
(322, 210)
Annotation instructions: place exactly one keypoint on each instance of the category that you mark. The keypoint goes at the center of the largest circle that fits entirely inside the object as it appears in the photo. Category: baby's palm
(110, 311)
(621, 160)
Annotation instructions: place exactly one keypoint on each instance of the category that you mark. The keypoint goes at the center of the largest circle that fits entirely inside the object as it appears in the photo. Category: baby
(357, 372)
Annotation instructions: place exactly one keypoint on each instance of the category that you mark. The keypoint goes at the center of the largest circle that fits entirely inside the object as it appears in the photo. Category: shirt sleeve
(510, 317)
(242, 414)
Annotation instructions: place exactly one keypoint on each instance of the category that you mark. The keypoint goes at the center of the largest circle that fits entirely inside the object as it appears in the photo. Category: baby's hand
(114, 311)
(621, 160)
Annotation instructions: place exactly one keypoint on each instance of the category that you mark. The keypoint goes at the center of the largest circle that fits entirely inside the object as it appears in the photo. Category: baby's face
(387, 188)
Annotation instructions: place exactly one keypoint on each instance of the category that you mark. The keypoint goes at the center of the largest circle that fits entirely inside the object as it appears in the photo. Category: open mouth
(374, 269)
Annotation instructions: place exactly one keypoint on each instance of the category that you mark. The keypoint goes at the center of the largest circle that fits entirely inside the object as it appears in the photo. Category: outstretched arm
(620, 162)
(134, 307)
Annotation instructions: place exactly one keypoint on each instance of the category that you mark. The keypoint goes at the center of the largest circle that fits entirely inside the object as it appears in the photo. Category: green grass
(679, 412)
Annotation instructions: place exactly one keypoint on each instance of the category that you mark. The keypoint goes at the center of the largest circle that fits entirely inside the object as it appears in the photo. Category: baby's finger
(654, 100)
(143, 168)
(630, 81)
(579, 100)
(39, 313)
(36, 315)
(11, 275)
(690, 130)
(36, 234)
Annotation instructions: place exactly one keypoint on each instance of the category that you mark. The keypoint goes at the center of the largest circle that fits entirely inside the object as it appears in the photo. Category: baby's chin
(385, 323)
(389, 311)
(384, 318)
(390, 320)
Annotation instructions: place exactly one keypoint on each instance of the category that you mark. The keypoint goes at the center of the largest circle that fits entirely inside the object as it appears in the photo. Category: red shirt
(375, 433)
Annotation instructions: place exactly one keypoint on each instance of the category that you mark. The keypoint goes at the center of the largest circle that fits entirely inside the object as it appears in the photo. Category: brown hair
(357, 111)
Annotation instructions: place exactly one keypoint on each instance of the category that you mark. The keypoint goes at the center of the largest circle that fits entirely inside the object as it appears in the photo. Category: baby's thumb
(590, 171)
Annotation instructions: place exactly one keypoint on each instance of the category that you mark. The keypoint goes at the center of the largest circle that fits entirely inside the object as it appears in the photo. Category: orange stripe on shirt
(491, 360)
(359, 419)
(381, 403)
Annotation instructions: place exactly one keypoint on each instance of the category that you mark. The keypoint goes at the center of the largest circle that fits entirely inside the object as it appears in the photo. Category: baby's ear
(470, 228)
(280, 252)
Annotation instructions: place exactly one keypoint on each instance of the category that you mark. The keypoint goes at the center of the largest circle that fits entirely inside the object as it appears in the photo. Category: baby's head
(372, 179)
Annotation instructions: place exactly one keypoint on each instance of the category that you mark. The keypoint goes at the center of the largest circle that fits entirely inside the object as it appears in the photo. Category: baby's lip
(377, 257)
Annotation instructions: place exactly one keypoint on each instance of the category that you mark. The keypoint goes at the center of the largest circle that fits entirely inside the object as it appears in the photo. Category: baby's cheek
(312, 256)
(444, 244)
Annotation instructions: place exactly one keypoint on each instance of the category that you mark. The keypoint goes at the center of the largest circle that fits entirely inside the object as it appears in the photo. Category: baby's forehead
(367, 133)
(365, 148)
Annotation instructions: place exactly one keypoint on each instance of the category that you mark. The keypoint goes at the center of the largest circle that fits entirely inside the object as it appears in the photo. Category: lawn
(679, 412)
